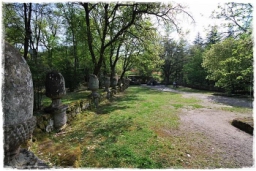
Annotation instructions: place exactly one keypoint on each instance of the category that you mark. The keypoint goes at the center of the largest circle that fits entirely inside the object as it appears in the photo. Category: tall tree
(50, 26)
(102, 15)
(13, 24)
(173, 56)
(229, 63)
(195, 74)
(27, 20)
(198, 40)
(237, 16)
(213, 36)
(72, 22)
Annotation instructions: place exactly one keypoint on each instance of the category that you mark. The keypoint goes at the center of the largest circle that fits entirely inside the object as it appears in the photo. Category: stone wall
(74, 108)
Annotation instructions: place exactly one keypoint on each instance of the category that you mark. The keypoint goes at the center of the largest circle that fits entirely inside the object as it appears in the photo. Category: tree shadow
(108, 108)
(237, 102)
(118, 102)
(150, 90)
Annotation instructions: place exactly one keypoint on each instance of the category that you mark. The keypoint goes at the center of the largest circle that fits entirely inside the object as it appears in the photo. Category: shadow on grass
(109, 108)
(141, 90)
(237, 102)
(102, 132)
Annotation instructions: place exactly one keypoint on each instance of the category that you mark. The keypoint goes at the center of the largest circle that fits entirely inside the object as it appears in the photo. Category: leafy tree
(71, 18)
(174, 58)
(238, 17)
(13, 25)
(141, 49)
(195, 74)
(102, 17)
(50, 26)
(229, 63)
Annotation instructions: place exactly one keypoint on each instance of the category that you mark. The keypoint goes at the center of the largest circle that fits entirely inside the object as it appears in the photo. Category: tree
(195, 74)
(102, 16)
(198, 40)
(173, 56)
(213, 36)
(71, 17)
(229, 63)
(13, 25)
(50, 26)
(137, 48)
(238, 17)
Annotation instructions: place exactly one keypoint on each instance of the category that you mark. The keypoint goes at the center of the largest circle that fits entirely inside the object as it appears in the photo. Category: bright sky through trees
(201, 11)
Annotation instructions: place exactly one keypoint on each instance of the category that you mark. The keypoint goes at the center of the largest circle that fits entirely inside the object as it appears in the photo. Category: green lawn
(129, 132)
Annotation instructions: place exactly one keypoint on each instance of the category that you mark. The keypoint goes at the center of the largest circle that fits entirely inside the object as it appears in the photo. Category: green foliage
(195, 74)
(238, 17)
(13, 26)
(229, 63)
(174, 59)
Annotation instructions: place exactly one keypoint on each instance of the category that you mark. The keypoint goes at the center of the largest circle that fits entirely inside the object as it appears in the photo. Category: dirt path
(212, 122)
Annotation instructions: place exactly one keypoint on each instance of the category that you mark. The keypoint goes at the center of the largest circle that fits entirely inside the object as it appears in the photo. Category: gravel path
(233, 145)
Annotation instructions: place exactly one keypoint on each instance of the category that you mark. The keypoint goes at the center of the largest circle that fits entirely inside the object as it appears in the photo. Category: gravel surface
(231, 144)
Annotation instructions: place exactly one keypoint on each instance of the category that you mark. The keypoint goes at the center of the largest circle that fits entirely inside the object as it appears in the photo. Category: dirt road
(212, 122)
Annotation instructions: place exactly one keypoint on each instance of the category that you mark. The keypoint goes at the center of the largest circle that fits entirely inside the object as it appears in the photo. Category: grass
(135, 130)
(237, 109)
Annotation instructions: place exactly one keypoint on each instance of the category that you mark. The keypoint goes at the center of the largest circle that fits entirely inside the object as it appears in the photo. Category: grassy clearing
(135, 130)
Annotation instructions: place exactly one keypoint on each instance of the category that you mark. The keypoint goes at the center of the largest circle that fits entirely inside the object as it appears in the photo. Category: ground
(213, 123)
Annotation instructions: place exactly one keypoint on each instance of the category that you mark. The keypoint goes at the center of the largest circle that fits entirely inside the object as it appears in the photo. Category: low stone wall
(74, 108)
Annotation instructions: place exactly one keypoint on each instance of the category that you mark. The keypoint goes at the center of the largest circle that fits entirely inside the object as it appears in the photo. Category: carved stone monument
(114, 84)
(94, 86)
(126, 83)
(107, 84)
(55, 89)
(17, 99)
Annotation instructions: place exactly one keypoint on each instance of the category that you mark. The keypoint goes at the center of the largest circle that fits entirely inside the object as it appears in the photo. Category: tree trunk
(27, 15)
(75, 61)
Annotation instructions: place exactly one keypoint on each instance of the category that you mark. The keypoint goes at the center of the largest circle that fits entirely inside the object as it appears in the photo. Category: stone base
(26, 160)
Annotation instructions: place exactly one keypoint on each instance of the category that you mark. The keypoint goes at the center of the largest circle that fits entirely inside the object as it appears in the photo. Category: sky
(201, 11)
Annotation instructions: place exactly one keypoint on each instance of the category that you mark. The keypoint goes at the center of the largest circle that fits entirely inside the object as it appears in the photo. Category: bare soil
(233, 146)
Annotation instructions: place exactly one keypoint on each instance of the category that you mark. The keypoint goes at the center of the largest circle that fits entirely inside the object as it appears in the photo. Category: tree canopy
(83, 38)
